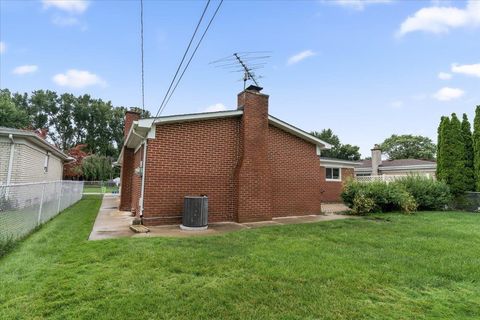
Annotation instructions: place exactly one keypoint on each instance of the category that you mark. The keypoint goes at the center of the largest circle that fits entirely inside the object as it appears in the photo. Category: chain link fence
(469, 201)
(23, 207)
(100, 187)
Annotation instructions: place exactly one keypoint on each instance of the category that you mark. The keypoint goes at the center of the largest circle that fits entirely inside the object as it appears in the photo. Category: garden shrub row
(406, 194)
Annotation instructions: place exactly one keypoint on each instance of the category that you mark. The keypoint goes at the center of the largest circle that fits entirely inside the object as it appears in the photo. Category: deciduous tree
(10, 114)
(339, 150)
(408, 147)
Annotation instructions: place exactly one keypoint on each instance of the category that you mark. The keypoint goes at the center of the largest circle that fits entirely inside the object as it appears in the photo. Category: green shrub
(429, 194)
(385, 196)
(362, 204)
(407, 195)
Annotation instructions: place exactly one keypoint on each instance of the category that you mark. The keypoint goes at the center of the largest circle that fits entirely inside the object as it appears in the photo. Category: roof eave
(36, 140)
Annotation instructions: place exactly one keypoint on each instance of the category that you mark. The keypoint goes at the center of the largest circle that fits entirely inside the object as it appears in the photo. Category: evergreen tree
(476, 146)
(453, 156)
(441, 148)
(468, 154)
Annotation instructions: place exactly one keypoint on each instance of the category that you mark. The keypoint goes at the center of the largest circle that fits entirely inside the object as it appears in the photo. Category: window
(47, 160)
(333, 174)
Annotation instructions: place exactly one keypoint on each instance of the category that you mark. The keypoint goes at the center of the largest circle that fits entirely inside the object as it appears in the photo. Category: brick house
(251, 165)
(334, 173)
(394, 168)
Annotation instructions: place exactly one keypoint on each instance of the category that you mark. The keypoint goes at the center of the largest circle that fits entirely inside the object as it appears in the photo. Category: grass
(425, 266)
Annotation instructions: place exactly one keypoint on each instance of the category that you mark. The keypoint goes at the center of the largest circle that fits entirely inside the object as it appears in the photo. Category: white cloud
(215, 108)
(78, 79)
(21, 70)
(439, 19)
(300, 56)
(3, 47)
(467, 69)
(357, 4)
(446, 94)
(444, 76)
(71, 6)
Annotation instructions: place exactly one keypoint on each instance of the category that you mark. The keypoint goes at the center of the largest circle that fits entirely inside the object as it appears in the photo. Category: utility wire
(141, 40)
(193, 54)
(183, 59)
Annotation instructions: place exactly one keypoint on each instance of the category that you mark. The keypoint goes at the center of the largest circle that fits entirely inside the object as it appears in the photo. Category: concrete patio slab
(329, 208)
(112, 223)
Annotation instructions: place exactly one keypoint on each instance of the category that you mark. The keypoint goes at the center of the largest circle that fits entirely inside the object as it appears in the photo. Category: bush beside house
(406, 195)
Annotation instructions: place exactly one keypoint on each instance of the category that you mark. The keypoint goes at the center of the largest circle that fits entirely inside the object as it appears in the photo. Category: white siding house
(25, 157)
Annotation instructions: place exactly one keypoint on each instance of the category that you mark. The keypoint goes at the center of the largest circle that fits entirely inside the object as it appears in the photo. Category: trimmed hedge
(406, 195)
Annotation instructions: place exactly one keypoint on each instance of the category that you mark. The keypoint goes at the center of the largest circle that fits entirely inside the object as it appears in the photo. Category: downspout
(142, 191)
(10, 163)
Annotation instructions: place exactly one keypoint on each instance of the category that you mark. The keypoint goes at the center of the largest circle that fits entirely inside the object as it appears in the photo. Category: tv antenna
(246, 63)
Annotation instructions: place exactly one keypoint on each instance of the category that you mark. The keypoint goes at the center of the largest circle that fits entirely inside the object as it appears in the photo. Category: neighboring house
(401, 167)
(251, 165)
(335, 172)
(26, 157)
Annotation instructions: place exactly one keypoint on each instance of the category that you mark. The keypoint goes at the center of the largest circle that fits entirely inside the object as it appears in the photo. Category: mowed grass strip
(425, 266)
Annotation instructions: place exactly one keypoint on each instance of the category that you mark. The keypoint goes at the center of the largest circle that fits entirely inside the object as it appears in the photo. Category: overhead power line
(162, 105)
(193, 54)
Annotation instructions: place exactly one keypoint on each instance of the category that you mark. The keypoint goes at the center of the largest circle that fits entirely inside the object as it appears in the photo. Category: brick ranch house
(334, 173)
(251, 165)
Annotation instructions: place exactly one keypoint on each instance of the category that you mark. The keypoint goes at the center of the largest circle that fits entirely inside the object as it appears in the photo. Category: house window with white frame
(333, 174)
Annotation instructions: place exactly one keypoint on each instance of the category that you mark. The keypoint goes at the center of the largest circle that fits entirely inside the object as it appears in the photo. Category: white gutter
(142, 190)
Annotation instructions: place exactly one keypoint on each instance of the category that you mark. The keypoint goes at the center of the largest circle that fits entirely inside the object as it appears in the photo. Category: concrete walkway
(112, 223)
(338, 207)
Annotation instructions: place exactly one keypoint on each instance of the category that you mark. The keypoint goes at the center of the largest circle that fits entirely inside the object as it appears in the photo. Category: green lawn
(425, 266)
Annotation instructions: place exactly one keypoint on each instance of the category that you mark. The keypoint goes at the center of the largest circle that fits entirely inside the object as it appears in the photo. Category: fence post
(60, 197)
(41, 205)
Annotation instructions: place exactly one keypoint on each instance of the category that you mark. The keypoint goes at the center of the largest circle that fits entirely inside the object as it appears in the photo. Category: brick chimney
(376, 159)
(253, 173)
(130, 116)
(127, 170)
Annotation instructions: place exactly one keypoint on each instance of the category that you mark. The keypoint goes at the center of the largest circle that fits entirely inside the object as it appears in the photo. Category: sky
(366, 69)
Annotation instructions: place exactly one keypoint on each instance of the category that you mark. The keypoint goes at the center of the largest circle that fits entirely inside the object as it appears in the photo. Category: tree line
(395, 147)
(458, 152)
(71, 120)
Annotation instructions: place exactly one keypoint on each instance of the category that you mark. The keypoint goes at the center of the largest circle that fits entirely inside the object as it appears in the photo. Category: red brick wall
(191, 158)
(130, 116)
(126, 172)
(126, 175)
(333, 189)
(295, 174)
(253, 175)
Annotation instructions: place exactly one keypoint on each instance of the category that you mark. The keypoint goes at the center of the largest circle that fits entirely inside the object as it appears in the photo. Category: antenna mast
(244, 62)
(247, 75)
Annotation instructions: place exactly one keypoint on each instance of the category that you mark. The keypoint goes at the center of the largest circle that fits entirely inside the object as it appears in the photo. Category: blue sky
(365, 69)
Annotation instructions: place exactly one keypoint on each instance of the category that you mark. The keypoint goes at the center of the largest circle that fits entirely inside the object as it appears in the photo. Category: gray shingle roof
(398, 163)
